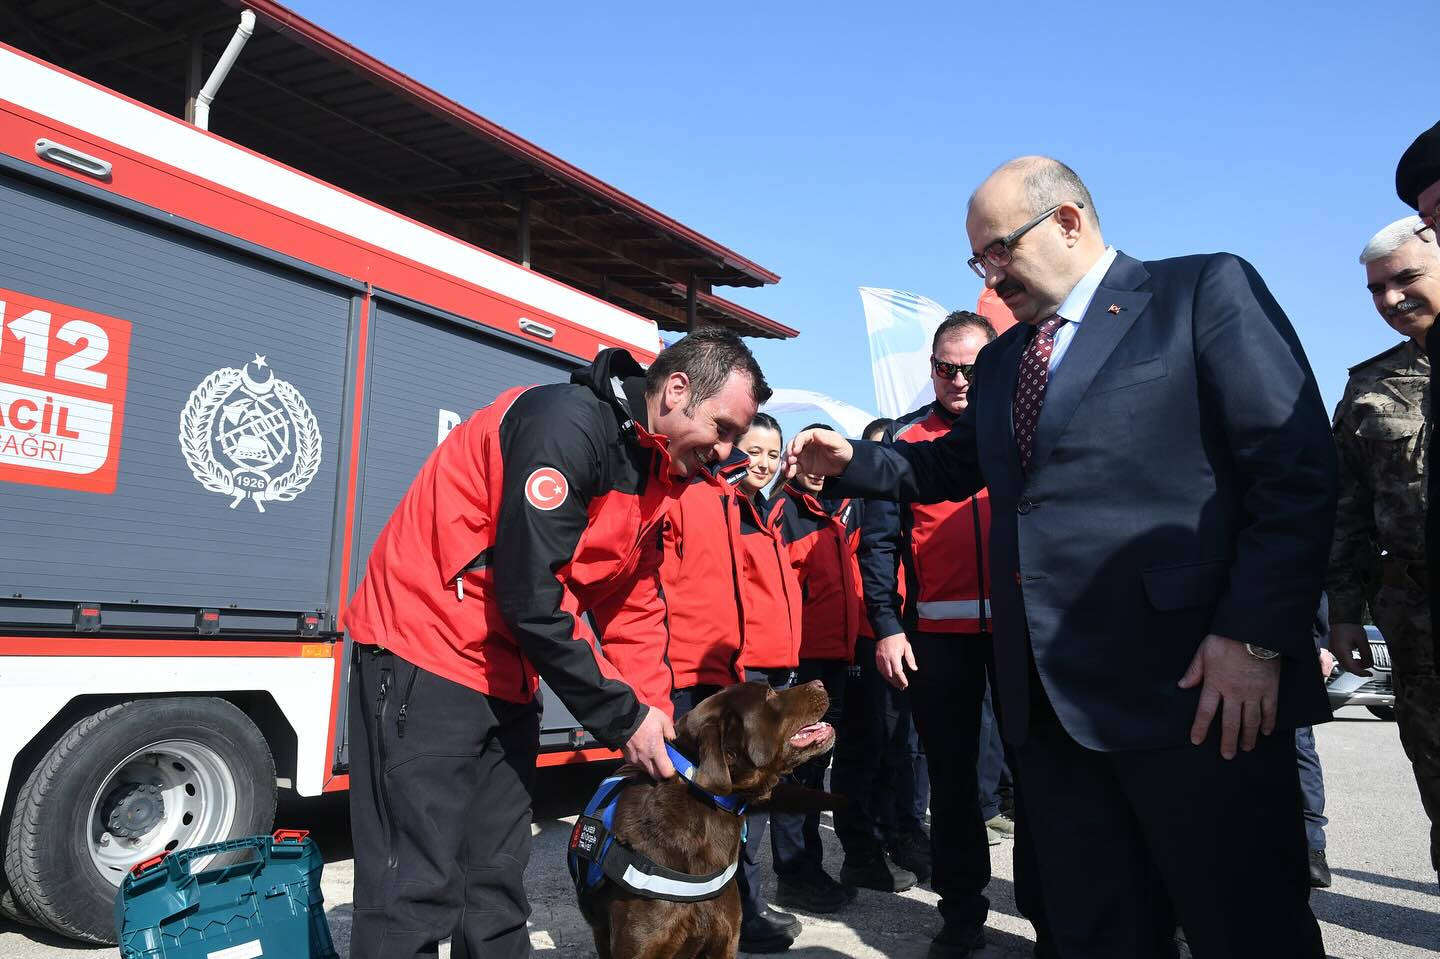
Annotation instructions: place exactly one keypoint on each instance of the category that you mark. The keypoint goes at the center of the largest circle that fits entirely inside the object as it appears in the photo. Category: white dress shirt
(1075, 305)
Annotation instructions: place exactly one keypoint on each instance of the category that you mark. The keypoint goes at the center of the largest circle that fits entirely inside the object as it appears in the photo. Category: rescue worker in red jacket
(541, 507)
(703, 578)
(770, 595)
(879, 767)
(821, 537)
(937, 643)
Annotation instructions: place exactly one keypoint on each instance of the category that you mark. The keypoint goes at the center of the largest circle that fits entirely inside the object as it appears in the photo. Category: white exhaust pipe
(222, 69)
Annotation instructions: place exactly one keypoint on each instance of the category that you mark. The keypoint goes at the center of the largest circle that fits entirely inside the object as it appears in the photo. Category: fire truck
(223, 357)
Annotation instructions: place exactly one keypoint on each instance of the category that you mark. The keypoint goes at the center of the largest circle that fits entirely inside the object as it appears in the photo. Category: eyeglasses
(1429, 220)
(947, 371)
(998, 254)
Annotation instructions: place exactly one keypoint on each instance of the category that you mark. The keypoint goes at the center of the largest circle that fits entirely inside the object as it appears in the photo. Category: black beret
(1419, 167)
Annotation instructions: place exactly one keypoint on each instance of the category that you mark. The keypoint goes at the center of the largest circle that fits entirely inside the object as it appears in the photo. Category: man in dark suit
(1162, 481)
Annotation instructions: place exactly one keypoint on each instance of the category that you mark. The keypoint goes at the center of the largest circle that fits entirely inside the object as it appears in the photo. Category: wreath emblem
(241, 426)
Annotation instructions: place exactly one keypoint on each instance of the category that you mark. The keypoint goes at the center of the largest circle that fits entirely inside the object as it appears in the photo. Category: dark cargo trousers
(874, 761)
(947, 694)
(1403, 616)
(795, 837)
(440, 786)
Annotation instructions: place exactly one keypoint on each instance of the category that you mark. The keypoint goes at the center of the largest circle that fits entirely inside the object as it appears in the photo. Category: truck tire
(11, 909)
(1386, 713)
(126, 784)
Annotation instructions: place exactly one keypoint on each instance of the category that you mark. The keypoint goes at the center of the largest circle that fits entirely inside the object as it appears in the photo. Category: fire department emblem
(247, 433)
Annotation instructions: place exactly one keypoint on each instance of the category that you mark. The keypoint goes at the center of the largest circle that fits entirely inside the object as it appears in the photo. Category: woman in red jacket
(821, 537)
(770, 594)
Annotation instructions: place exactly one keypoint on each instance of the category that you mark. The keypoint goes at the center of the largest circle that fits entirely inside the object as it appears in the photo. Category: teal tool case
(268, 904)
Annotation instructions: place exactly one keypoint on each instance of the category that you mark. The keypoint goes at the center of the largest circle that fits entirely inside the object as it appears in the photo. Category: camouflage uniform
(1382, 432)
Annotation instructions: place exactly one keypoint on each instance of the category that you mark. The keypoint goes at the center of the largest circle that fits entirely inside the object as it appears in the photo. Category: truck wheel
(126, 784)
(11, 909)
(1386, 713)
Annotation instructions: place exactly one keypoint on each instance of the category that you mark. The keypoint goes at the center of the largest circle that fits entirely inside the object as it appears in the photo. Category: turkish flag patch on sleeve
(546, 488)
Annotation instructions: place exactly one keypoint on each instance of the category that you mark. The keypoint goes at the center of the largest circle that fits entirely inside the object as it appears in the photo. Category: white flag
(852, 419)
(901, 326)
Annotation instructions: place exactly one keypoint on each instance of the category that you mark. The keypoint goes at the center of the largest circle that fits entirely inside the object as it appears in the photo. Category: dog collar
(686, 770)
(596, 857)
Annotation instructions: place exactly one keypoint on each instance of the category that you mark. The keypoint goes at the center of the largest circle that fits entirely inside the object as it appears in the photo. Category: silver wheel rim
(198, 792)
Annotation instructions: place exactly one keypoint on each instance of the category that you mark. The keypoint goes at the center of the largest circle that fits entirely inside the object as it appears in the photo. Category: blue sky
(837, 143)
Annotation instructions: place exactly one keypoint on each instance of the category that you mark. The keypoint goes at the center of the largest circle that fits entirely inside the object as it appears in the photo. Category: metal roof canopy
(305, 97)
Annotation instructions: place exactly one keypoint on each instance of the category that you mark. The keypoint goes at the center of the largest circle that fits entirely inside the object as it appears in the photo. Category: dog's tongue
(809, 734)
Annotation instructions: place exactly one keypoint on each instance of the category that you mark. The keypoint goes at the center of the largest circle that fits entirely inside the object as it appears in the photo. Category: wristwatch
(1260, 652)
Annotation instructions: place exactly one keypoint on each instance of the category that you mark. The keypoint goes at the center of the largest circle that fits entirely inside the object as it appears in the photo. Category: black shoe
(812, 892)
(957, 942)
(768, 931)
(1319, 870)
(876, 872)
(791, 924)
(911, 850)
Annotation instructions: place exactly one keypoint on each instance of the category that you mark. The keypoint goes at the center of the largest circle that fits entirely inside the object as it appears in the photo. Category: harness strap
(596, 856)
(686, 771)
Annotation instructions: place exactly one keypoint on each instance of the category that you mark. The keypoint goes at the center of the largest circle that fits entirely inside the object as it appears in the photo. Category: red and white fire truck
(218, 373)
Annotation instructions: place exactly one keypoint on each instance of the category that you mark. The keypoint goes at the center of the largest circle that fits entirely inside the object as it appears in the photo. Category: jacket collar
(619, 382)
(729, 472)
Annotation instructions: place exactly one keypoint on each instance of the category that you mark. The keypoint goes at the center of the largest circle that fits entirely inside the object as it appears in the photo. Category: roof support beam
(690, 304)
(522, 234)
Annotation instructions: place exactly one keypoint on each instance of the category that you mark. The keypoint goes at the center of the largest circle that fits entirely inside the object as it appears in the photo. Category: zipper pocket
(382, 711)
(405, 700)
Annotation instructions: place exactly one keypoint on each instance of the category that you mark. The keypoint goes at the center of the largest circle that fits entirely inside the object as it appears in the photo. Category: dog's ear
(712, 771)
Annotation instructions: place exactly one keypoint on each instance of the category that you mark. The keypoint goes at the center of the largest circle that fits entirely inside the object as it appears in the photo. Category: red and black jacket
(770, 591)
(540, 507)
(940, 549)
(701, 575)
(821, 537)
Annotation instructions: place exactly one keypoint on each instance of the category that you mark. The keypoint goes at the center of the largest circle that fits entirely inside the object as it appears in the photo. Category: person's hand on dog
(646, 746)
(819, 453)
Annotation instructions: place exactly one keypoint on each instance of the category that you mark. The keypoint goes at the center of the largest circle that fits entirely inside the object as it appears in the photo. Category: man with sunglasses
(935, 640)
(1162, 484)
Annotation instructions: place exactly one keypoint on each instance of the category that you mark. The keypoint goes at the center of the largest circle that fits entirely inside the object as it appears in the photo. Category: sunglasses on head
(947, 371)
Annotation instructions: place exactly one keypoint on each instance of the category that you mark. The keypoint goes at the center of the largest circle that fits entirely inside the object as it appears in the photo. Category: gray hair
(1392, 238)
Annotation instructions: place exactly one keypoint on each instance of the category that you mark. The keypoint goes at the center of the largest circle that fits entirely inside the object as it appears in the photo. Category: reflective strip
(644, 882)
(952, 609)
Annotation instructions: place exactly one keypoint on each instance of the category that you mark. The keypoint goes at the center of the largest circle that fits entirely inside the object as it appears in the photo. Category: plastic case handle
(148, 864)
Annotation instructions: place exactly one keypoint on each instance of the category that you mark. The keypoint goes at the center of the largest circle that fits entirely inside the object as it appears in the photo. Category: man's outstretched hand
(646, 746)
(818, 452)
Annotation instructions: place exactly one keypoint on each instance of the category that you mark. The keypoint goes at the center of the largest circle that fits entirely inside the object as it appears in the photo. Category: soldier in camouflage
(1382, 432)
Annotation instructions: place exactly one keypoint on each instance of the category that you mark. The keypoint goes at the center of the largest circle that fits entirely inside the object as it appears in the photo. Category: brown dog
(742, 740)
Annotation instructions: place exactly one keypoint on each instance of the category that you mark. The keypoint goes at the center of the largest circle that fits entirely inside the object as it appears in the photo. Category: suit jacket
(1183, 482)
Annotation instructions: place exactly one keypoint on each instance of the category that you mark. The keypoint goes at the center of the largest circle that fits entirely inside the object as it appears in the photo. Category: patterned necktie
(1030, 385)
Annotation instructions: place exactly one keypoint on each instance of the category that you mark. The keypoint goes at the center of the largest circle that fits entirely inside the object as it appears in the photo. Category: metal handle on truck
(528, 325)
(74, 159)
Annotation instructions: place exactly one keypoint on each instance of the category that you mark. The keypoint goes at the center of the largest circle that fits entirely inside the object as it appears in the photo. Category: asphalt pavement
(1385, 901)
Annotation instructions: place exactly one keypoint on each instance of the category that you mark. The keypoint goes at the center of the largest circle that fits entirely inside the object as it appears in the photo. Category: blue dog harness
(596, 856)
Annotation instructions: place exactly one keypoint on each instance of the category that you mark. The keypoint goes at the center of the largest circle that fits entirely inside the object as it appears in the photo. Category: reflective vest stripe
(951, 609)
